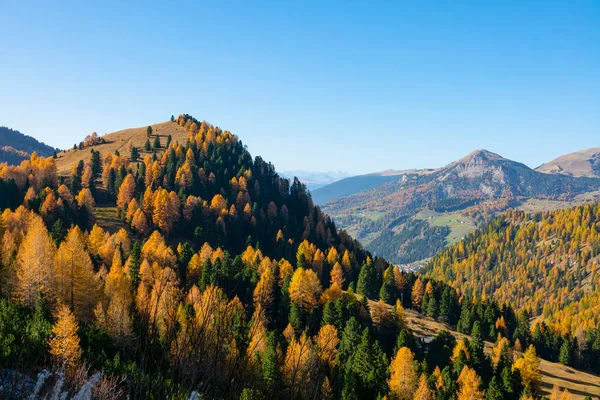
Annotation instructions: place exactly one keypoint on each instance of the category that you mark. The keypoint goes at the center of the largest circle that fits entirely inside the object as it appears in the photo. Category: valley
(453, 201)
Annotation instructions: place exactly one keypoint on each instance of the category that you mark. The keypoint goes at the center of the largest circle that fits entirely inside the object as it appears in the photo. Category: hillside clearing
(459, 225)
(122, 141)
(106, 218)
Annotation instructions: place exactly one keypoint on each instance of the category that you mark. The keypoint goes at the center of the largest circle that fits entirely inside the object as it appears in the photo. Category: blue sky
(313, 85)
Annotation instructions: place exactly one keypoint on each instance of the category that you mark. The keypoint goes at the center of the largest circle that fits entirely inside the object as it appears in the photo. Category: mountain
(16, 147)
(314, 180)
(418, 213)
(223, 280)
(351, 185)
(581, 163)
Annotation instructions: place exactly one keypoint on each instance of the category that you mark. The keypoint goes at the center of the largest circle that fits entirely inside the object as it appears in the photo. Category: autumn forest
(186, 269)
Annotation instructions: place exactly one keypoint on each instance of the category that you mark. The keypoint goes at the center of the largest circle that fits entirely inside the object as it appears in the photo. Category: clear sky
(324, 85)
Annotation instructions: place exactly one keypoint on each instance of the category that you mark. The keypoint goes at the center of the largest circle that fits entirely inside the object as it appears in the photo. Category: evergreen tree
(295, 317)
(476, 348)
(494, 391)
(387, 293)
(330, 316)
(368, 365)
(135, 261)
(135, 154)
(367, 281)
(351, 337)
(58, 232)
(405, 339)
(270, 367)
(432, 310)
(566, 353)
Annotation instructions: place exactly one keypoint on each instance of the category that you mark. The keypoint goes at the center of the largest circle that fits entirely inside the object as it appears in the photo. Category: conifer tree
(34, 271)
(403, 376)
(75, 282)
(64, 344)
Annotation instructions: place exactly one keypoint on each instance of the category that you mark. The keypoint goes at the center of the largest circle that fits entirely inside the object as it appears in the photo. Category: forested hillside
(16, 147)
(226, 281)
(545, 263)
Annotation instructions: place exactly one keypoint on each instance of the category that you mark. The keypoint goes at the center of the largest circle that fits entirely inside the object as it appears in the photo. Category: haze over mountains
(315, 179)
(407, 216)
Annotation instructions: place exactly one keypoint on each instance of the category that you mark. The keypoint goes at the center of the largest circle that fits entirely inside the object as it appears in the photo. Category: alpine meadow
(172, 260)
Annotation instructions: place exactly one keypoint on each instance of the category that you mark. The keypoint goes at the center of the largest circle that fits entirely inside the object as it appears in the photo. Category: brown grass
(106, 218)
(120, 141)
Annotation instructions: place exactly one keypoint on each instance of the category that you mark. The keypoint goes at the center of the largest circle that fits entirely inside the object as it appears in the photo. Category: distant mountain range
(314, 179)
(407, 216)
(16, 147)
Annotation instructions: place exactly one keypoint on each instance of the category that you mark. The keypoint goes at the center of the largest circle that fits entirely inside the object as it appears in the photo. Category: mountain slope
(545, 263)
(581, 163)
(349, 186)
(122, 141)
(465, 193)
(16, 147)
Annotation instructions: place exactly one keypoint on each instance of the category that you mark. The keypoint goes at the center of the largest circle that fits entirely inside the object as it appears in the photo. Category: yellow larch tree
(439, 379)
(257, 335)
(461, 346)
(566, 395)
(116, 321)
(139, 223)
(332, 256)
(403, 376)
(497, 350)
(417, 293)
(400, 315)
(132, 207)
(332, 293)
(166, 209)
(34, 269)
(347, 262)
(469, 384)
(64, 343)
(264, 293)
(529, 367)
(75, 282)
(327, 344)
(218, 204)
(285, 269)
(85, 198)
(423, 392)
(299, 365)
(305, 288)
(96, 239)
(337, 275)
(156, 250)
